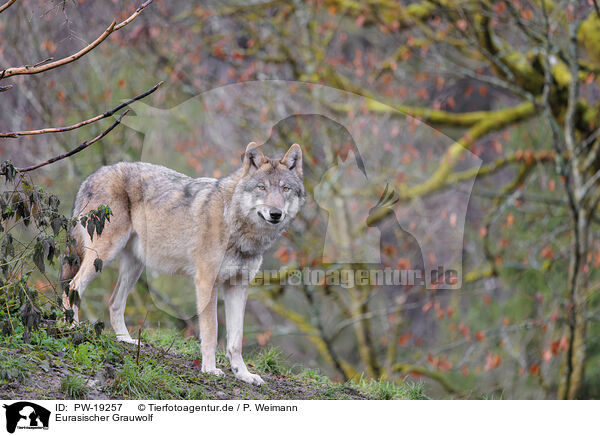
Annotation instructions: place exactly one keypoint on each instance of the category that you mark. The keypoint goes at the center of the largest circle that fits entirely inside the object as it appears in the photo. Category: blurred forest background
(433, 94)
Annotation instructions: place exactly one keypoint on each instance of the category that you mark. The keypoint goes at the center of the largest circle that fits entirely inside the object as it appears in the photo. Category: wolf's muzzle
(275, 216)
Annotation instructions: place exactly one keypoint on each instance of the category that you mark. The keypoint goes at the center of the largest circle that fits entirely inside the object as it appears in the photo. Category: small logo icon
(26, 415)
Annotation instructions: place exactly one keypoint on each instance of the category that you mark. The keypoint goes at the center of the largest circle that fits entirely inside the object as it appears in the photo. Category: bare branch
(6, 5)
(134, 15)
(77, 149)
(39, 68)
(82, 123)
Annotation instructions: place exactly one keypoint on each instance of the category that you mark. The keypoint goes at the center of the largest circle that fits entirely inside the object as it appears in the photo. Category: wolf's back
(127, 187)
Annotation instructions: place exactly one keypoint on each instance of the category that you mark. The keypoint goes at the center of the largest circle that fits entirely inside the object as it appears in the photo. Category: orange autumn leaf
(404, 338)
(465, 331)
(444, 364)
(492, 361)
(563, 344)
(487, 299)
(263, 338)
(284, 255)
(499, 8)
(534, 369)
(547, 355)
(497, 145)
(440, 314)
(464, 370)
(527, 14)
(49, 46)
(403, 264)
(547, 252)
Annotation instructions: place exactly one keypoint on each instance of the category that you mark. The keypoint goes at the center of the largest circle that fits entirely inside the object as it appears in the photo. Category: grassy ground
(82, 363)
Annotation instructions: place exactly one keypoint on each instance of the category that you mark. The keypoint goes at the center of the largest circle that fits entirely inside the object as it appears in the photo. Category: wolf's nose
(275, 214)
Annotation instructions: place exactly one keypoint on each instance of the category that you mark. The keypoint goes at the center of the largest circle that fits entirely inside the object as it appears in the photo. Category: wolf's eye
(286, 188)
(262, 187)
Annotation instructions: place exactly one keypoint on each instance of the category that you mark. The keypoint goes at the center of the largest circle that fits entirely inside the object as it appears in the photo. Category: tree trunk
(573, 364)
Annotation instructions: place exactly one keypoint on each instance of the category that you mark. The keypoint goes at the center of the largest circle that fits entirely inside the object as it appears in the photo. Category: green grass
(270, 361)
(151, 379)
(74, 386)
(172, 340)
(387, 390)
(14, 368)
(315, 375)
(168, 368)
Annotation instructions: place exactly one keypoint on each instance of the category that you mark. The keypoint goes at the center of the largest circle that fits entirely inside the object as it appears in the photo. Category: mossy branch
(489, 124)
(434, 375)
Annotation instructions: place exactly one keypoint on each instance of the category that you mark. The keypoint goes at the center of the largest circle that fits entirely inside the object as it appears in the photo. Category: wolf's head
(272, 190)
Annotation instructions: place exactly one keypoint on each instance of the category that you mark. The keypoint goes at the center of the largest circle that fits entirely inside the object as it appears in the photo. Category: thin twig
(82, 123)
(134, 15)
(77, 149)
(6, 5)
(164, 352)
(41, 68)
(139, 344)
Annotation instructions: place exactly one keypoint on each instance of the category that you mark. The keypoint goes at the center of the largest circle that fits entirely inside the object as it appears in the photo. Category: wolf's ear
(293, 159)
(253, 157)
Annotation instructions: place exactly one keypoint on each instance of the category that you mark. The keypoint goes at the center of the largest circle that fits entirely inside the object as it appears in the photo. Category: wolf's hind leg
(106, 248)
(130, 269)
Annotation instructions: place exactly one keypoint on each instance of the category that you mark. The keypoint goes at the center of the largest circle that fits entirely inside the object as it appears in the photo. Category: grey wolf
(213, 230)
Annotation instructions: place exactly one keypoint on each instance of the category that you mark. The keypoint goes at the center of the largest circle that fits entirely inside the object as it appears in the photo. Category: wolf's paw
(127, 339)
(214, 371)
(248, 377)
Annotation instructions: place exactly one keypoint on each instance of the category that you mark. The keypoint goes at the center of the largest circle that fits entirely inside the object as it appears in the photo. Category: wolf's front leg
(206, 300)
(235, 304)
